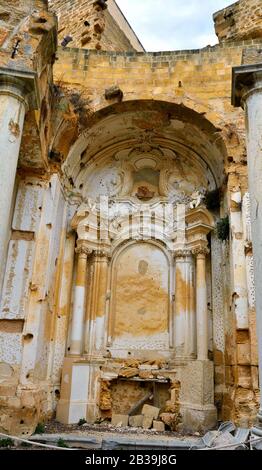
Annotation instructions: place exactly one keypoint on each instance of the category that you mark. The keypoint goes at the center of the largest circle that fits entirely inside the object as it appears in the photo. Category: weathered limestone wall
(31, 306)
(92, 27)
(187, 92)
(178, 77)
(240, 21)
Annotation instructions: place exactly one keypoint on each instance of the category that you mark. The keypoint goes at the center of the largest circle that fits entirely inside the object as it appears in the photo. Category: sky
(166, 25)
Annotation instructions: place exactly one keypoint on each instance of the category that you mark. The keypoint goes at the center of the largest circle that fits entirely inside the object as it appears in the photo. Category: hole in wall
(41, 20)
(28, 337)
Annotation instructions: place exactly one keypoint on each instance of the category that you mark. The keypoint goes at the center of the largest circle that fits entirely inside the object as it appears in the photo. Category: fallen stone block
(119, 420)
(159, 426)
(150, 411)
(147, 422)
(136, 421)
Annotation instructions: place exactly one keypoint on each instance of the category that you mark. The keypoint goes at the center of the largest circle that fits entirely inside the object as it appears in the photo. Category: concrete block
(119, 420)
(147, 422)
(136, 421)
(159, 426)
(150, 411)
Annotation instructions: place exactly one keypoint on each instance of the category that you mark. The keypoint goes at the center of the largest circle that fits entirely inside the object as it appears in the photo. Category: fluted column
(185, 329)
(78, 316)
(95, 338)
(201, 304)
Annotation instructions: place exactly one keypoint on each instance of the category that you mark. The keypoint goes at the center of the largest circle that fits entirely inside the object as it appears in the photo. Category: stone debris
(150, 411)
(136, 421)
(158, 426)
(148, 367)
(147, 422)
(119, 420)
(128, 372)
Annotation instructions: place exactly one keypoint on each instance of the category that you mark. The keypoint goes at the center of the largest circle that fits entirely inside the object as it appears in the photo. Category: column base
(198, 411)
(79, 391)
(198, 419)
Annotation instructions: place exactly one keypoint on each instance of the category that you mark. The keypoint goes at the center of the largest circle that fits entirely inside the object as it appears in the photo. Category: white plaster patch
(79, 392)
(28, 206)
(17, 279)
(10, 348)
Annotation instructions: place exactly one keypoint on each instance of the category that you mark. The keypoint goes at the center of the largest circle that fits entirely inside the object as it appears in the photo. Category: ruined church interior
(130, 221)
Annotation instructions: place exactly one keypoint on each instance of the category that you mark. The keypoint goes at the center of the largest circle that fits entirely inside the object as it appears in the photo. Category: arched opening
(139, 177)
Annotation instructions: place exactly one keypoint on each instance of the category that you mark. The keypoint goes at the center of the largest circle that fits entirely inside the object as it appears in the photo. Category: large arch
(146, 125)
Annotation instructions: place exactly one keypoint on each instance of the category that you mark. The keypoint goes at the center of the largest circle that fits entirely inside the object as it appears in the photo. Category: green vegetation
(6, 442)
(223, 229)
(40, 429)
(81, 422)
(62, 443)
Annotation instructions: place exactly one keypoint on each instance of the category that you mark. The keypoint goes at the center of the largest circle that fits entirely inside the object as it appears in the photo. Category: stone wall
(92, 27)
(36, 300)
(242, 20)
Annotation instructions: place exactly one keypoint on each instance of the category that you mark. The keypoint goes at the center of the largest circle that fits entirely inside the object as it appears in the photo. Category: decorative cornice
(246, 80)
(21, 84)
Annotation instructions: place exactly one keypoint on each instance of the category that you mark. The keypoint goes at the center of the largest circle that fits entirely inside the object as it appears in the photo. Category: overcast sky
(173, 24)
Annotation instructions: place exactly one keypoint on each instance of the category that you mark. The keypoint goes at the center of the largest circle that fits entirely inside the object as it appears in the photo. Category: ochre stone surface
(170, 135)
(241, 20)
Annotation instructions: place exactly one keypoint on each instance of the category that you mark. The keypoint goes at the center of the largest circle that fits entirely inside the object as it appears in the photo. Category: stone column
(18, 92)
(95, 339)
(13, 106)
(185, 328)
(78, 316)
(247, 91)
(201, 304)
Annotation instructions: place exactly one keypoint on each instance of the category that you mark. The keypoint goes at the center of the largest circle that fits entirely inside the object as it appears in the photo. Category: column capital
(101, 253)
(82, 249)
(182, 253)
(246, 80)
(22, 85)
(200, 251)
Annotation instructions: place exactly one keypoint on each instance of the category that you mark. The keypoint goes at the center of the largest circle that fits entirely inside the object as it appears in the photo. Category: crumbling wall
(30, 352)
(242, 20)
(28, 42)
(90, 25)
